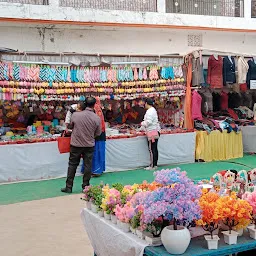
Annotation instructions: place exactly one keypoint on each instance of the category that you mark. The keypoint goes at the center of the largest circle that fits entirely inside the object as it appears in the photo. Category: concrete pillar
(247, 9)
(161, 6)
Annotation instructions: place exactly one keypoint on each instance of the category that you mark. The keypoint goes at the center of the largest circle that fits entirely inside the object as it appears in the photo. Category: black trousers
(153, 151)
(74, 160)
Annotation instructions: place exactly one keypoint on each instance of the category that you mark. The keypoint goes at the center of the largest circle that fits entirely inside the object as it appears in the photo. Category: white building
(130, 27)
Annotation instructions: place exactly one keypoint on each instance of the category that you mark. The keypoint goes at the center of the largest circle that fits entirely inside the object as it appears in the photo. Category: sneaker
(149, 168)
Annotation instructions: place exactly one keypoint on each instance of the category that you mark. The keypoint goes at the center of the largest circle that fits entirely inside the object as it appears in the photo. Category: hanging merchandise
(242, 69)
(215, 71)
(251, 75)
(197, 69)
(229, 70)
(196, 106)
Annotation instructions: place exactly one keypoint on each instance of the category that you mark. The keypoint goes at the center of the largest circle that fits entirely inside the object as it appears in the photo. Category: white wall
(125, 41)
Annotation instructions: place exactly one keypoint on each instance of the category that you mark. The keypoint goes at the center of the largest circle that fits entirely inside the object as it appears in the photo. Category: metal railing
(125, 5)
(230, 8)
(36, 2)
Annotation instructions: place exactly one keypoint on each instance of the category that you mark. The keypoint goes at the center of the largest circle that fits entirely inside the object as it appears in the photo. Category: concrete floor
(48, 227)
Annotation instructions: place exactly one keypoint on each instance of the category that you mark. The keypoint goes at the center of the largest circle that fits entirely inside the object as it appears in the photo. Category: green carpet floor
(27, 191)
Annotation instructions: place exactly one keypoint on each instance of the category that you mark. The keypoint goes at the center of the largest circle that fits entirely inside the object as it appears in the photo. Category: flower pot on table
(133, 230)
(212, 242)
(230, 238)
(175, 241)
(140, 234)
(113, 219)
(101, 213)
(94, 208)
(107, 216)
(88, 205)
(252, 232)
(153, 241)
(125, 227)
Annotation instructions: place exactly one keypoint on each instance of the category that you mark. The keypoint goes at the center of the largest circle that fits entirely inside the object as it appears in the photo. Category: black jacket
(251, 75)
(229, 69)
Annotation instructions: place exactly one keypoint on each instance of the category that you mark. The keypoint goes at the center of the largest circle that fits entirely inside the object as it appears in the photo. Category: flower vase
(230, 238)
(212, 242)
(106, 216)
(240, 231)
(113, 219)
(88, 205)
(140, 234)
(118, 222)
(94, 208)
(125, 227)
(133, 230)
(175, 241)
(101, 213)
(252, 232)
(153, 241)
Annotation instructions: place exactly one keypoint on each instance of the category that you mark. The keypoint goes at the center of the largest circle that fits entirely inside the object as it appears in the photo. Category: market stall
(222, 99)
(35, 98)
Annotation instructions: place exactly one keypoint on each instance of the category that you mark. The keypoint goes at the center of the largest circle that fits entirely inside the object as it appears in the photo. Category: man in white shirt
(152, 127)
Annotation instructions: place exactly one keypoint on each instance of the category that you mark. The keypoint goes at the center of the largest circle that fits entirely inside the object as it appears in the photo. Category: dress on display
(215, 72)
(229, 69)
(197, 69)
(242, 69)
(224, 101)
(196, 106)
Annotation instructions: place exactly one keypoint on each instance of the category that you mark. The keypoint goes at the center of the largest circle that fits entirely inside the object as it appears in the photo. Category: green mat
(27, 191)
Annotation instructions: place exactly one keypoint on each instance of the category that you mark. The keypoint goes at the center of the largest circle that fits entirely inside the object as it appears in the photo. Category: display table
(43, 160)
(249, 138)
(198, 247)
(108, 240)
(218, 146)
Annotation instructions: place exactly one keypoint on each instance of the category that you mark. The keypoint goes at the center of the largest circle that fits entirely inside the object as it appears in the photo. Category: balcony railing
(36, 2)
(230, 8)
(126, 5)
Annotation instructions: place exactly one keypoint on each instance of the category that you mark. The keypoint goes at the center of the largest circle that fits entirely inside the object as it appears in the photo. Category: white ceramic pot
(230, 238)
(140, 234)
(252, 232)
(125, 227)
(240, 231)
(154, 241)
(212, 242)
(88, 205)
(118, 222)
(175, 241)
(101, 213)
(107, 216)
(113, 219)
(94, 208)
(133, 230)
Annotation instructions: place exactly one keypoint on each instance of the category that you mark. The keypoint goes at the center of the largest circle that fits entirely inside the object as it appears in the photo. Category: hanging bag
(64, 144)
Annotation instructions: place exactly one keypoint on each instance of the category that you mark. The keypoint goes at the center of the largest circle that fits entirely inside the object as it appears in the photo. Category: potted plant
(251, 199)
(96, 198)
(176, 201)
(210, 218)
(111, 198)
(234, 212)
(87, 196)
(124, 215)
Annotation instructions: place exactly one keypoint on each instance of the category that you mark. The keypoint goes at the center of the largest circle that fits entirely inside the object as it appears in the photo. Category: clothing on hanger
(197, 70)
(216, 99)
(215, 72)
(242, 69)
(229, 68)
(224, 100)
(251, 75)
(196, 106)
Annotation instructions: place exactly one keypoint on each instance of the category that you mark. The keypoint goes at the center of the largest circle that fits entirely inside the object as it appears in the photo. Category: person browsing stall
(86, 126)
(152, 127)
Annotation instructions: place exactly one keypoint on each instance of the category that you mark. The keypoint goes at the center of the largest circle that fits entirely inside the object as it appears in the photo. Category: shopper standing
(98, 163)
(152, 127)
(86, 126)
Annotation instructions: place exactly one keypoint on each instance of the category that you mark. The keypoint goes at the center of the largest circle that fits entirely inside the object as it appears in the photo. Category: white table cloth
(108, 240)
(42, 160)
(249, 138)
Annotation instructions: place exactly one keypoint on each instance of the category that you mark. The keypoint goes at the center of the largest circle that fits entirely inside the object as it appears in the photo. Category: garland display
(47, 83)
